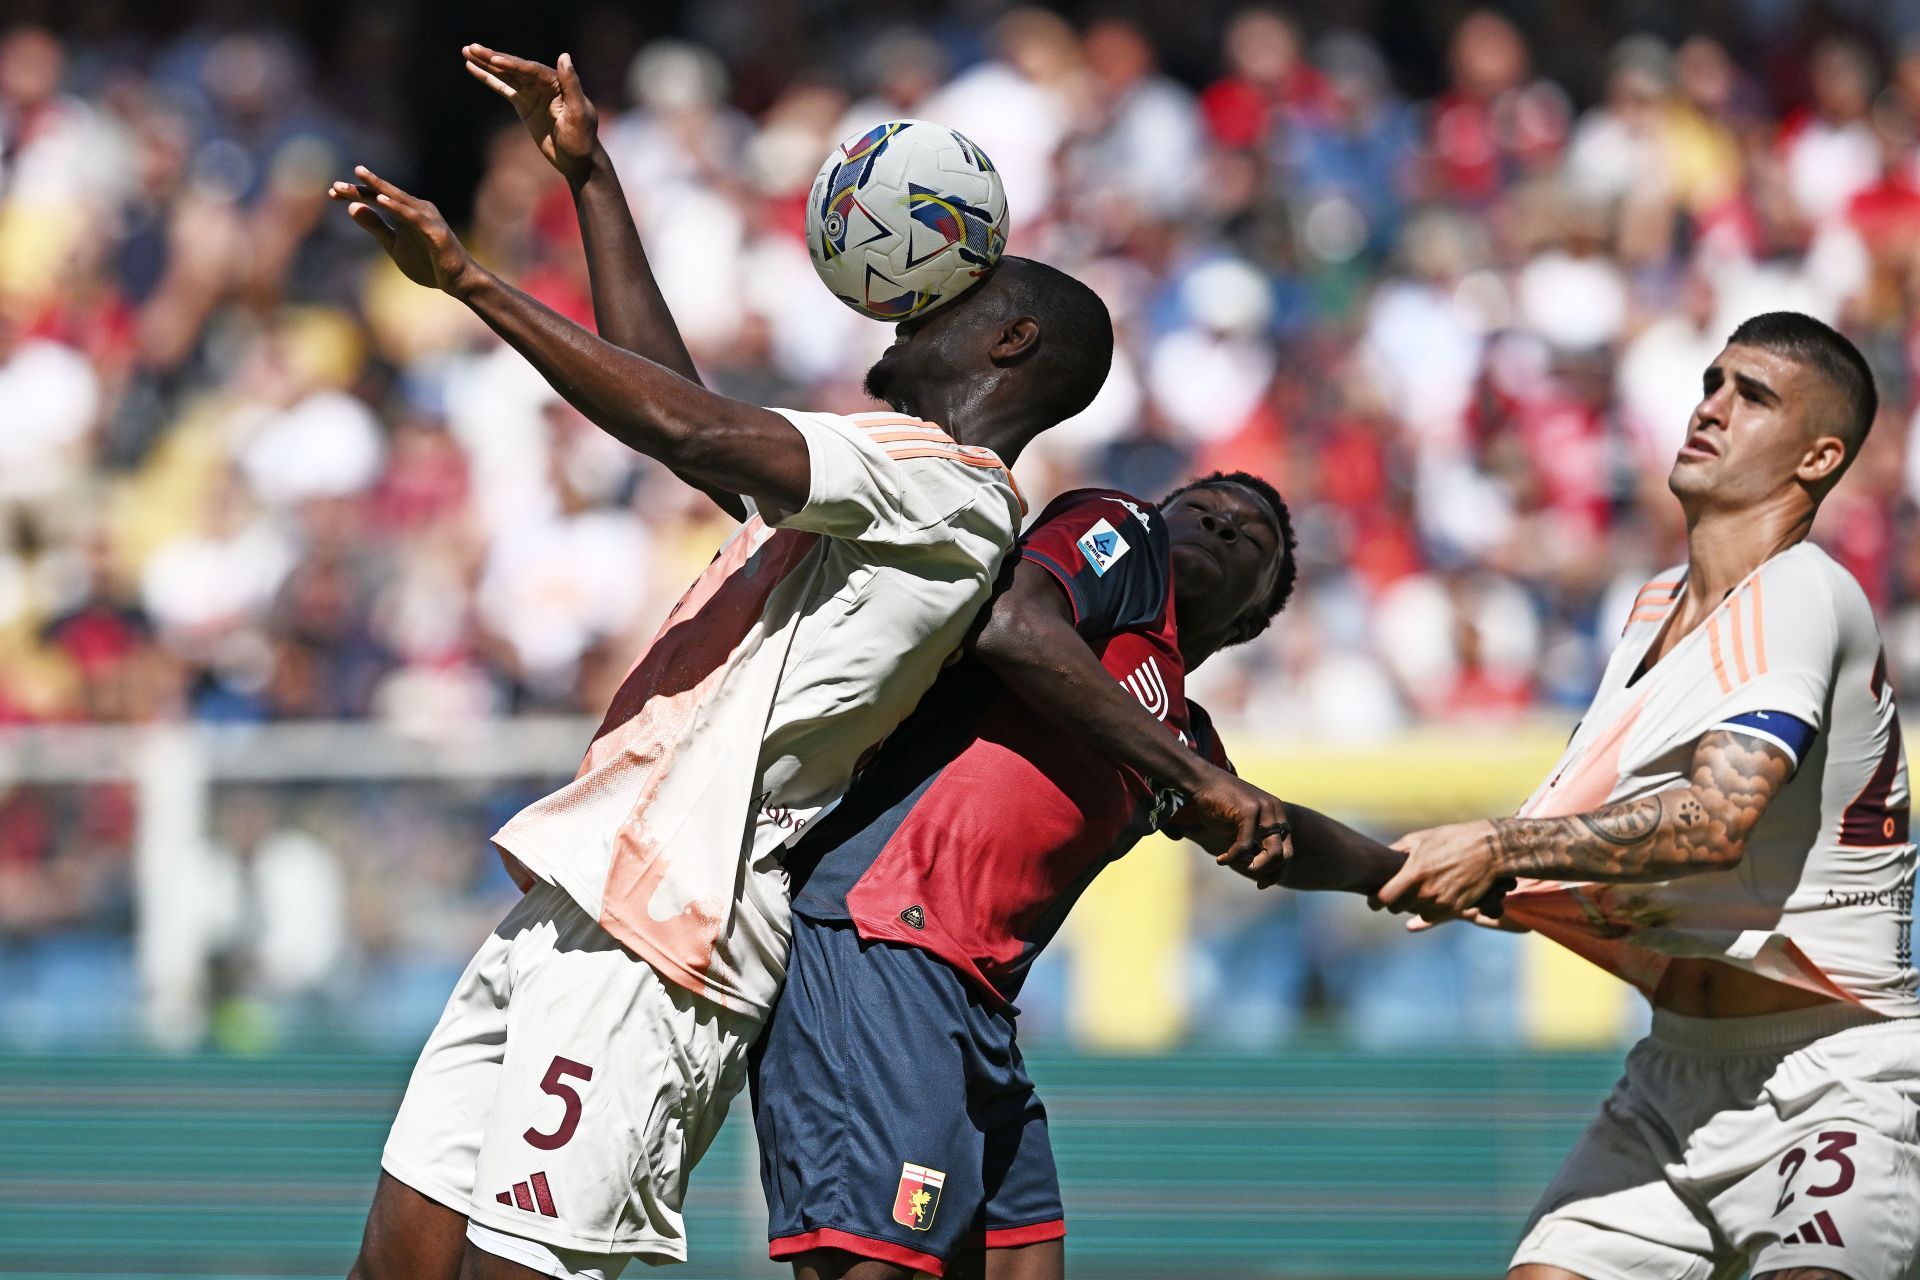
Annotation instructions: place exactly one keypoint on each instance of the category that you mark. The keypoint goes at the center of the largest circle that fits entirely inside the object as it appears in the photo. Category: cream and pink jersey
(1823, 898)
(799, 648)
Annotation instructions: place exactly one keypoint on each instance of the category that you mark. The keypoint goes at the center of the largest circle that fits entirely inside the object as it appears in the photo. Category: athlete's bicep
(1031, 610)
(745, 450)
(1734, 777)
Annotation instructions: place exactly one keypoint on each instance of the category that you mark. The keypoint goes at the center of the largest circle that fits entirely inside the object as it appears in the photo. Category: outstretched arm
(1333, 856)
(1026, 634)
(1678, 832)
(628, 308)
(708, 440)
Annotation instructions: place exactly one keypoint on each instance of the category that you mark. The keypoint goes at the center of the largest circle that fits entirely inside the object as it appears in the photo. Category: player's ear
(1018, 338)
(1822, 461)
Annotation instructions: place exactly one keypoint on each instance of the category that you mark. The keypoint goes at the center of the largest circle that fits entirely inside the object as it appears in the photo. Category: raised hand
(549, 101)
(411, 230)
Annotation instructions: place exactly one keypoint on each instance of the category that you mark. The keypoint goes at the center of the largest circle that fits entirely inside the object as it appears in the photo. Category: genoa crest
(918, 1196)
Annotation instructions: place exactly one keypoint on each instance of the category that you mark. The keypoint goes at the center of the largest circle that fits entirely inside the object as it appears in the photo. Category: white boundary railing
(174, 768)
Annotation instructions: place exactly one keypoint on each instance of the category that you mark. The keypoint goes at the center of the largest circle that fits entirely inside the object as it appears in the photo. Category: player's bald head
(1844, 400)
(1028, 342)
(1068, 364)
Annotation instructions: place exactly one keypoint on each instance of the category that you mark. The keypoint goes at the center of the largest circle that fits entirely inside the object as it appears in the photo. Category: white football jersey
(1823, 898)
(800, 647)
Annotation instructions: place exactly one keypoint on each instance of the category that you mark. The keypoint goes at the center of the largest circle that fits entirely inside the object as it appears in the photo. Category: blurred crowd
(248, 474)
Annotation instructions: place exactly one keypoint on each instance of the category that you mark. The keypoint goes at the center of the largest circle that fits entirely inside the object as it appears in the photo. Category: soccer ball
(904, 218)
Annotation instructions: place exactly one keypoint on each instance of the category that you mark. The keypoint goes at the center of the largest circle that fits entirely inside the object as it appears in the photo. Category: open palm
(411, 230)
(549, 101)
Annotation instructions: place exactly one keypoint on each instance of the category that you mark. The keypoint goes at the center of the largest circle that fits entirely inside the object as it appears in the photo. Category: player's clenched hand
(1449, 871)
(1241, 825)
(412, 232)
(550, 102)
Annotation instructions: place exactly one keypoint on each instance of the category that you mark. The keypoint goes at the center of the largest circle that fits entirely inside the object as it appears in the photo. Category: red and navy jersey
(980, 822)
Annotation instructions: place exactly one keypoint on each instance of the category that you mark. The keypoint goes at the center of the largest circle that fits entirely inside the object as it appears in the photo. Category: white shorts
(568, 1091)
(1791, 1140)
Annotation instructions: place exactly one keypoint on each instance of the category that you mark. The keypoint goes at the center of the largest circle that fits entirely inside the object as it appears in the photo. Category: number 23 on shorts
(555, 1083)
(1832, 1150)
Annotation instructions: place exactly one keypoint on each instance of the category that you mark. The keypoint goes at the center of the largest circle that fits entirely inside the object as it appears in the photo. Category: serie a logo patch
(1102, 545)
(918, 1196)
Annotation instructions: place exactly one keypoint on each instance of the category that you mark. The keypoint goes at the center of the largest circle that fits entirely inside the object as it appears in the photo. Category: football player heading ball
(589, 1053)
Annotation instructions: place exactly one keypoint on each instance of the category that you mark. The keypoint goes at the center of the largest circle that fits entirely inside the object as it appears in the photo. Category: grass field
(1309, 1164)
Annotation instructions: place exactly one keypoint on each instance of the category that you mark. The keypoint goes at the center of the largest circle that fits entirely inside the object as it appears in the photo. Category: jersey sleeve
(880, 478)
(1775, 649)
(1108, 553)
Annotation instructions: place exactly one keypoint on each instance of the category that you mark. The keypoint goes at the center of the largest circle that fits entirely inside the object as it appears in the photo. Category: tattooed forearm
(1698, 828)
(1625, 824)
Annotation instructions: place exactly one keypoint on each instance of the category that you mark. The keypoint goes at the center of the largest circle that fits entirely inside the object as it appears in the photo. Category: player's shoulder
(1114, 505)
(1804, 592)
(1667, 582)
(1804, 579)
(908, 439)
(1655, 598)
(1104, 524)
(940, 486)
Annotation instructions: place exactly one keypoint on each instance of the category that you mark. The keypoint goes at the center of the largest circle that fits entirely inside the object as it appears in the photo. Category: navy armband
(1789, 733)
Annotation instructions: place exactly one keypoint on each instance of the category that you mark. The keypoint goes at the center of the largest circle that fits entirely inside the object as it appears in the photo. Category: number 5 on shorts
(552, 1083)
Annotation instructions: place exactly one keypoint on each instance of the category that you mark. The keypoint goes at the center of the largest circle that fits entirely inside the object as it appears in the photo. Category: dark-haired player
(898, 1126)
(1732, 817)
(588, 1055)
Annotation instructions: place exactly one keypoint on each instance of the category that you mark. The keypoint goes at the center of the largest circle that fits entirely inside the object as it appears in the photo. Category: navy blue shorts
(896, 1118)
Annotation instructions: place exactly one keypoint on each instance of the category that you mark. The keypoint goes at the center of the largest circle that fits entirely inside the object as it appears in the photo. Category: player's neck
(1724, 547)
(979, 425)
(975, 413)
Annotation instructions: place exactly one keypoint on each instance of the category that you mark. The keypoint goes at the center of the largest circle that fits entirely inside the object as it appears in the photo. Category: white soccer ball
(904, 218)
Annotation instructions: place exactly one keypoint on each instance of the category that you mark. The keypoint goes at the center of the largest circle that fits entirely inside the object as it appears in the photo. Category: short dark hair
(1802, 338)
(1282, 520)
(1076, 333)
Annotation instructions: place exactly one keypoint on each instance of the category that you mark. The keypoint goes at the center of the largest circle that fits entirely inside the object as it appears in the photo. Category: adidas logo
(526, 1195)
(915, 917)
(1818, 1230)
